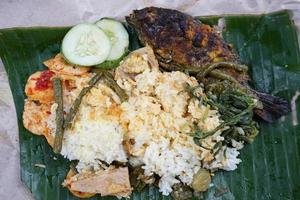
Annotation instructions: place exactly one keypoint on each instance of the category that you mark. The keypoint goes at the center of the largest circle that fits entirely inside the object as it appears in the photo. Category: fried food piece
(35, 118)
(179, 40)
(59, 65)
(106, 182)
(39, 86)
(69, 176)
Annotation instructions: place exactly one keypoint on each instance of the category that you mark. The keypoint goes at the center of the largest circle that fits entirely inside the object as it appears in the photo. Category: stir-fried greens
(236, 108)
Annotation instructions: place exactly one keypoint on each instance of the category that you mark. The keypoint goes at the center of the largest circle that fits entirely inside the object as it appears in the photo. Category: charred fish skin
(180, 42)
(178, 39)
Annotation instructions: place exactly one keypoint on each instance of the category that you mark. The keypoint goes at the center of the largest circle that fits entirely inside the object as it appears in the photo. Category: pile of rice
(160, 115)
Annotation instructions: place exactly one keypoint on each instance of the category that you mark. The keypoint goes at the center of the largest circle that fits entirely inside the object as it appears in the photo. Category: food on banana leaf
(171, 114)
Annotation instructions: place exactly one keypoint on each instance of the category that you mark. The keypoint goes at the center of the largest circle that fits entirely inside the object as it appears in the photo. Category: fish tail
(273, 107)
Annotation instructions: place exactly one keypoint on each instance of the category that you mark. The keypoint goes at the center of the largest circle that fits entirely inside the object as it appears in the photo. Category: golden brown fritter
(35, 117)
(60, 66)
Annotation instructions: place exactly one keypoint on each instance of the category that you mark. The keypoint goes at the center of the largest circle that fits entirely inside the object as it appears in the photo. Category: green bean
(95, 79)
(74, 108)
(221, 75)
(193, 70)
(73, 168)
(202, 71)
(196, 141)
(217, 147)
(213, 66)
(109, 80)
(59, 133)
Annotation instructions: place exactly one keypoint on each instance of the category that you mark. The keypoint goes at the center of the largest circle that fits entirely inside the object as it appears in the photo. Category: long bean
(59, 133)
(109, 80)
(220, 75)
(74, 108)
(202, 71)
(209, 68)
(73, 167)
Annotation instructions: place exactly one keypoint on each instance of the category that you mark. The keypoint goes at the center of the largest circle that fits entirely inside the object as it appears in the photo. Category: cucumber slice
(86, 45)
(118, 36)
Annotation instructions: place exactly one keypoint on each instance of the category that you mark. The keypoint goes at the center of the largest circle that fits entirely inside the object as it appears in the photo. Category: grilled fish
(178, 39)
(181, 42)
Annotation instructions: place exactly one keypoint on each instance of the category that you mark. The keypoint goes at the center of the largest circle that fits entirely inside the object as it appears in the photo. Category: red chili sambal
(44, 81)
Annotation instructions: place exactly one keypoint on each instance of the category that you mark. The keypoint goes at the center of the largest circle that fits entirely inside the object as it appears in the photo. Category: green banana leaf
(270, 169)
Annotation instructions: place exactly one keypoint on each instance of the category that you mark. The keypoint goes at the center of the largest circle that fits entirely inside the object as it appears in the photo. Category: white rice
(170, 161)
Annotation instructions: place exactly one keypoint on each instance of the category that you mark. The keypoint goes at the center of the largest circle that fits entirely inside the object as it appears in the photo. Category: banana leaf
(267, 43)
